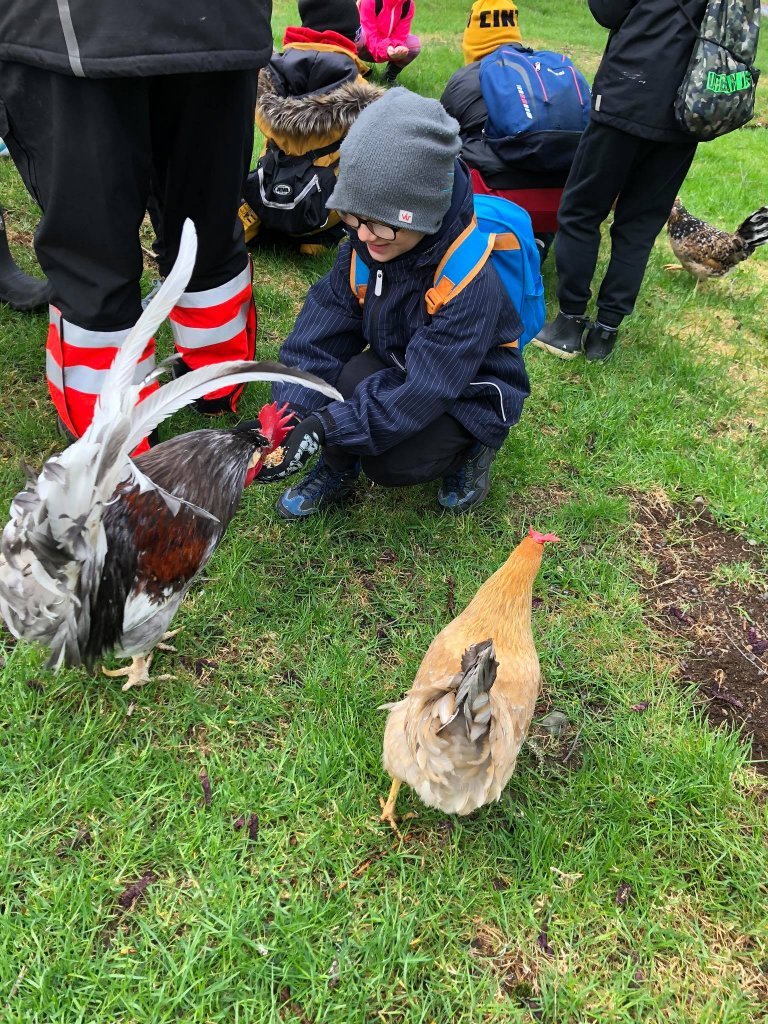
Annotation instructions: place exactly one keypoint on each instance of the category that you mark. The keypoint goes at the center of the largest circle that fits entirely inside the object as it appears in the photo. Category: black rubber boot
(21, 291)
(599, 342)
(391, 73)
(562, 336)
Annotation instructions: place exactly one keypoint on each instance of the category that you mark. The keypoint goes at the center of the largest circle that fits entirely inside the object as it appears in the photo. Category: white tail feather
(179, 393)
(120, 376)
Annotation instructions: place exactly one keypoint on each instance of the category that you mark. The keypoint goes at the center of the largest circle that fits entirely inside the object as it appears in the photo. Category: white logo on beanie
(405, 217)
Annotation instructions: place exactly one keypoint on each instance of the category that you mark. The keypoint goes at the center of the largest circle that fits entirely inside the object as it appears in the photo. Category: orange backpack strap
(461, 264)
(358, 277)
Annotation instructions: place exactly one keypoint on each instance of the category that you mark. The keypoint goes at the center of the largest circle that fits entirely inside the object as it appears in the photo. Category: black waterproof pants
(438, 449)
(642, 178)
(92, 151)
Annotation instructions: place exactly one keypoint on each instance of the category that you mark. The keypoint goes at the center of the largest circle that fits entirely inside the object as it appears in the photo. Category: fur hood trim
(329, 113)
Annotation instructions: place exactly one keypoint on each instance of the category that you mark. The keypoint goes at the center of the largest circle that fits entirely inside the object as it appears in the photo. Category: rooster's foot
(168, 636)
(137, 673)
(673, 266)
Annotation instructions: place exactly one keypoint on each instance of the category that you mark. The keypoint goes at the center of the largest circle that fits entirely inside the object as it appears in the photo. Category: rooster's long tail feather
(181, 392)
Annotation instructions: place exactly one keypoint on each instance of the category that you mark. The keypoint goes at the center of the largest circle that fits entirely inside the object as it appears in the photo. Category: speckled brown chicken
(706, 251)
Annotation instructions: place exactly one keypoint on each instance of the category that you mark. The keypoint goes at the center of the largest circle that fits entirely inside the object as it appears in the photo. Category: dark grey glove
(301, 444)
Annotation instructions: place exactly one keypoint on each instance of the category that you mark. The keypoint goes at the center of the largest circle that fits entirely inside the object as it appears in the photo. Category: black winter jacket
(450, 362)
(463, 99)
(647, 55)
(136, 38)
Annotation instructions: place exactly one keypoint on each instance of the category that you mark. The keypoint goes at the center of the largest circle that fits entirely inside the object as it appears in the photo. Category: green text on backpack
(717, 94)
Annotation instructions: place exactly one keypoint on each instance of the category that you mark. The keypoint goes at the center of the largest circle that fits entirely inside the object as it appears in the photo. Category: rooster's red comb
(275, 423)
(542, 538)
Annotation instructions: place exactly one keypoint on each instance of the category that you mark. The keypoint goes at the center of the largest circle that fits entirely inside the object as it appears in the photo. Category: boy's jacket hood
(311, 93)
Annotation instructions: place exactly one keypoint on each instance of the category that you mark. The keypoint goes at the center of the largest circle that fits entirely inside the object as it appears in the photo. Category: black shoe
(391, 73)
(205, 406)
(470, 484)
(562, 336)
(21, 291)
(599, 342)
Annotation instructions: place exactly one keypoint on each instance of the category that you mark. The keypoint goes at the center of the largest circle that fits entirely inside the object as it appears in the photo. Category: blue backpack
(499, 230)
(538, 105)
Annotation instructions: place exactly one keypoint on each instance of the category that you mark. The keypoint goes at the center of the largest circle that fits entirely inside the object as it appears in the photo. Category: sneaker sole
(559, 352)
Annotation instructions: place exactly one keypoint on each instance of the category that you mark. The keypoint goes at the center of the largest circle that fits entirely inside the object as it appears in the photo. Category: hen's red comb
(543, 538)
(275, 423)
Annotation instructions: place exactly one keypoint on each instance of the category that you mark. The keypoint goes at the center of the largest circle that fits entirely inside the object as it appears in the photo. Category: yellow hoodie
(491, 23)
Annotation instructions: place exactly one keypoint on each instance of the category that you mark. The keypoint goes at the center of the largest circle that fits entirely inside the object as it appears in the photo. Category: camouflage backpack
(717, 94)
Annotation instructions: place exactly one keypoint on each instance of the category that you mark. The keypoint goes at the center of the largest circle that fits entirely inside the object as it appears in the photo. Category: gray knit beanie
(397, 163)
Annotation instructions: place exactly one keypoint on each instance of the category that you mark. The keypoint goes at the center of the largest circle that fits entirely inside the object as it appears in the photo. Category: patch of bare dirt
(709, 588)
(515, 969)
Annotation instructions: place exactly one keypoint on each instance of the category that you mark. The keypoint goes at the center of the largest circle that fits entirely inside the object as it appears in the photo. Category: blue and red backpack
(500, 231)
(538, 105)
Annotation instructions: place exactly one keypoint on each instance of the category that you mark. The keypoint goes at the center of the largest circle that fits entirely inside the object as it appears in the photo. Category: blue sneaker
(4, 149)
(320, 487)
(470, 484)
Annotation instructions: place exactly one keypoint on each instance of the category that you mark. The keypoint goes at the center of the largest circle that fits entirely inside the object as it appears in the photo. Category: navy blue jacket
(447, 363)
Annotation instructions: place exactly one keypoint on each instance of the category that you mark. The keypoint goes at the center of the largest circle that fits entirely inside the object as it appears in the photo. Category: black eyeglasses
(383, 231)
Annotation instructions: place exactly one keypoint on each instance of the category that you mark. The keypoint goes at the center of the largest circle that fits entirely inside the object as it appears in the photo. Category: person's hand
(300, 445)
(397, 51)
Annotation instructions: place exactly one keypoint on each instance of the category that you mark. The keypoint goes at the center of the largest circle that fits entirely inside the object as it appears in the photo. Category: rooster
(100, 549)
(456, 734)
(706, 251)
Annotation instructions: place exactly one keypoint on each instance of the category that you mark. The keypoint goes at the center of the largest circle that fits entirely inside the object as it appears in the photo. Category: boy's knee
(395, 469)
(356, 370)
(387, 471)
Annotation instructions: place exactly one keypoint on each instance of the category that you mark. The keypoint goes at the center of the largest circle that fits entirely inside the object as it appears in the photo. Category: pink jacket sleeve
(402, 26)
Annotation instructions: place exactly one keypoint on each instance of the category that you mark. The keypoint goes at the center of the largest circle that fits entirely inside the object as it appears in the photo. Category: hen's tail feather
(477, 676)
(121, 373)
(754, 230)
(184, 390)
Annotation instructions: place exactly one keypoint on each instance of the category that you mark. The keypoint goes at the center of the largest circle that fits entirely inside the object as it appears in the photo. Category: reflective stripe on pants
(217, 325)
(76, 363)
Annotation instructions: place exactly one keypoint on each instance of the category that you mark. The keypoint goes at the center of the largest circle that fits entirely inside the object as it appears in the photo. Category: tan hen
(456, 734)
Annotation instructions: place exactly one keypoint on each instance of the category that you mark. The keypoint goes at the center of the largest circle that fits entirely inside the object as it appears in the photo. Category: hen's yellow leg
(388, 807)
(673, 266)
(137, 673)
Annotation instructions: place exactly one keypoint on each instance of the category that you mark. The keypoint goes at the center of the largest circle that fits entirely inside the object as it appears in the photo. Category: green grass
(306, 629)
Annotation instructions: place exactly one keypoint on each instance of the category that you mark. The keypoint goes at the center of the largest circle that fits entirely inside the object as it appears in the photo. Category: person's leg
(438, 450)
(600, 168)
(82, 147)
(215, 319)
(642, 210)
(396, 64)
(356, 370)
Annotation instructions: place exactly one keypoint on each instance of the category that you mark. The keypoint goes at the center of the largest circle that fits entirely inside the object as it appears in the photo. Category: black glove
(300, 445)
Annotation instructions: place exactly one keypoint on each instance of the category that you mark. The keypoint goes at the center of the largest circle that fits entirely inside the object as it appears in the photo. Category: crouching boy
(427, 396)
